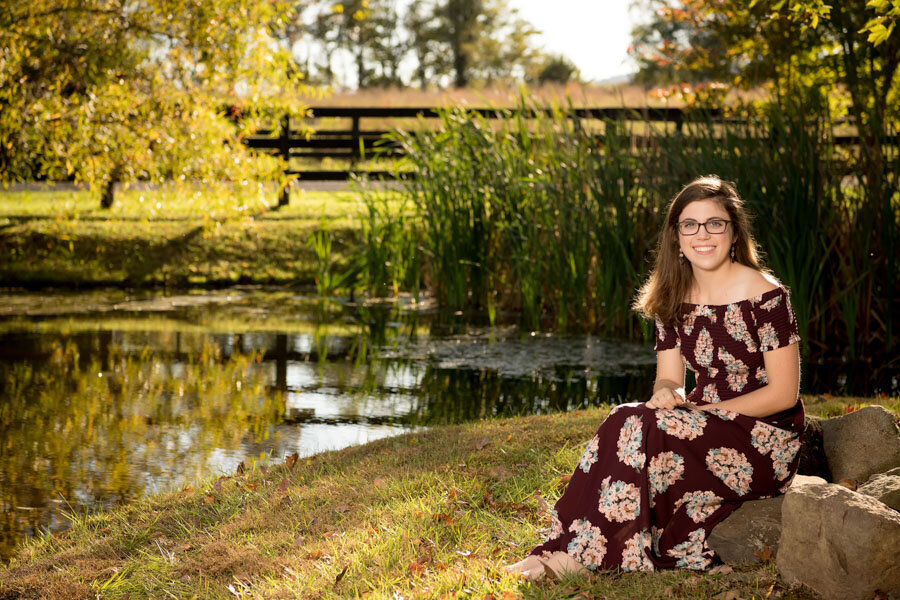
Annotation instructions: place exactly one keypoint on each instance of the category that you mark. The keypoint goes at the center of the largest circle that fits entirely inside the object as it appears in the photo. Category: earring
(732, 252)
(681, 255)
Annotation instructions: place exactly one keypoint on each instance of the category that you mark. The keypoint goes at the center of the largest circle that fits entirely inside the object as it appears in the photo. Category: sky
(594, 34)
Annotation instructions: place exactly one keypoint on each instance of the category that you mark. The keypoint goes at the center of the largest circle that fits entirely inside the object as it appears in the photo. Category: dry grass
(430, 514)
(582, 95)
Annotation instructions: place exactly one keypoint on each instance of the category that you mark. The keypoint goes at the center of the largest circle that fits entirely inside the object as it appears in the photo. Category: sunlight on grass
(431, 514)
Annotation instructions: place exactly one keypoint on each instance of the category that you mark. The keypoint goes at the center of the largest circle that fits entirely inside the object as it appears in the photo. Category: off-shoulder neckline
(752, 300)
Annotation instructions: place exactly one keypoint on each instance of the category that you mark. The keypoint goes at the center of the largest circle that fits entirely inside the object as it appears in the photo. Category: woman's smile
(704, 249)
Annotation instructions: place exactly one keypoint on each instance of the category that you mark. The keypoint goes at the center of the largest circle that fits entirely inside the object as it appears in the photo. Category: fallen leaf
(208, 499)
(341, 574)
(291, 459)
(543, 505)
(500, 472)
(251, 486)
(482, 443)
(721, 570)
(767, 555)
(507, 595)
(850, 484)
(379, 482)
(341, 509)
(416, 568)
(489, 498)
(509, 437)
(283, 486)
(241, 469)
(727, 595)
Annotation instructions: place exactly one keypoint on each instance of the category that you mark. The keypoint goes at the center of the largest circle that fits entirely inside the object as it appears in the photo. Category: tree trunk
(109, 188)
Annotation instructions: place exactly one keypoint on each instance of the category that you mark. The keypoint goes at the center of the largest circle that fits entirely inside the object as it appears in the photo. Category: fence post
(284, 147)
(355, 154)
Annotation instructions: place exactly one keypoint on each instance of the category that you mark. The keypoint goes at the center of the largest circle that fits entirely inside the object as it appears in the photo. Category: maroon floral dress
(652, 483)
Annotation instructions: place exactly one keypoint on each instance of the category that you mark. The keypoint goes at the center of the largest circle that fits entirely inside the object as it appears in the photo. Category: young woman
(659, 475)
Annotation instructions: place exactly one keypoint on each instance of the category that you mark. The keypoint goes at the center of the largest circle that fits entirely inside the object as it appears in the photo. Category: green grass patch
(179, 236)
(431, 514)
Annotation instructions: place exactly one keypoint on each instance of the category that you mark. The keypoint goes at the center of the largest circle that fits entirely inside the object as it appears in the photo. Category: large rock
(840, 543)
(812, 452)
(861, 443)
(885, 487)
(747, 531)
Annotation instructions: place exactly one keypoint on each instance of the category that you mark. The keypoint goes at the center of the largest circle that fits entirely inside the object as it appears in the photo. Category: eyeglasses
(714, 226)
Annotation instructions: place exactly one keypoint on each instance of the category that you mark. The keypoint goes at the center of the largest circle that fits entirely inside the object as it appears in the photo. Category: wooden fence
(357, 143)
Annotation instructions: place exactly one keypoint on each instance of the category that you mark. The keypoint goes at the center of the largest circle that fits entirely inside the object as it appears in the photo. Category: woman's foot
(530, 568)
(554, 566)
(561, 564)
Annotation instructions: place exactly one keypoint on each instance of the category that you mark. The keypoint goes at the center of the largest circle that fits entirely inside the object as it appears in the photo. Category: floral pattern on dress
(589, 456)
(710, 394)
(783, 446)
(732, 467)
(634, 556)
(703, 350)
(681, 423)
(761, 375)
(589, 544)
(556, 527)
(699, 505)
(619, 501)
(768, 338)
(661, 331)
(737, 327)
(698, 311)
(737, 370)
(629, 445)
(692, 553)
(722, 413)
(665, 469)
(770, 304)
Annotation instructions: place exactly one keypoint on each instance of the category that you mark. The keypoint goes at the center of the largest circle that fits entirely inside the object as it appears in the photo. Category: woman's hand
(666, 397)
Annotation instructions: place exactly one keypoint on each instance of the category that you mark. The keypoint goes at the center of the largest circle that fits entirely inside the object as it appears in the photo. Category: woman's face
(705, 250)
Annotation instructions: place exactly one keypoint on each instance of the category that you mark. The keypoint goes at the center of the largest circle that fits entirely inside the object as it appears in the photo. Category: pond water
(108, 396)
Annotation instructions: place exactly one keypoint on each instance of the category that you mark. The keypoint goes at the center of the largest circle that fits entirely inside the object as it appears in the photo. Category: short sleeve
(666, 337)
(776, 324)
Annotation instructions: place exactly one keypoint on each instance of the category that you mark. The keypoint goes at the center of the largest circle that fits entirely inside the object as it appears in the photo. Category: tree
(486, 40)
(109, 90)
(554, 68)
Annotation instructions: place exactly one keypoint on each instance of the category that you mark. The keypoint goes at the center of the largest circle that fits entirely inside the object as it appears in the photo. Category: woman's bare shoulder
(757, 282)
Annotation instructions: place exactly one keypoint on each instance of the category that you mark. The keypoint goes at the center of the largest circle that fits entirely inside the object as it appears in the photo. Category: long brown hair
(670, 280)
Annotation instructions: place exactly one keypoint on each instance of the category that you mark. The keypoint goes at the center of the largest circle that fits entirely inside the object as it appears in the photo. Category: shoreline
(435, 513)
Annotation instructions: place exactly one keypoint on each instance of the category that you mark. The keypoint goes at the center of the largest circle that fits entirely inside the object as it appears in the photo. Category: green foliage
(103, 91)
(556, 218)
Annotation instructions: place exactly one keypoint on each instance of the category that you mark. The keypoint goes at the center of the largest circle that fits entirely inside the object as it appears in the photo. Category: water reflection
(107, 398)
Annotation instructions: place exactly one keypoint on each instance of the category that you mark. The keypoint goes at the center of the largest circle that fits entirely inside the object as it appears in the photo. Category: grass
(177, 237)
(430, 514)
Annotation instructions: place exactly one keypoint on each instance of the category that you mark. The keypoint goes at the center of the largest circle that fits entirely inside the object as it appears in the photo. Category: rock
(885, 487)
(862, 443)
(812, 452)
(747, 531)
(842, 544)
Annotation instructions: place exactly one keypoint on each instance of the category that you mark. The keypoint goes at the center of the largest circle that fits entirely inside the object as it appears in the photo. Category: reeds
(557, 218)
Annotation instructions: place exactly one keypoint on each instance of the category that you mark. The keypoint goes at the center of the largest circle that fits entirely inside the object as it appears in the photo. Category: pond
(108, 396)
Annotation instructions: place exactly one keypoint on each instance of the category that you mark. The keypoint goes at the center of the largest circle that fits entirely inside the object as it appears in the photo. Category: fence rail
(356, 143)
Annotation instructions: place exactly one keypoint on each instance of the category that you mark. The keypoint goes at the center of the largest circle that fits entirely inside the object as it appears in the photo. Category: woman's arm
(780, 393)
(668, 390)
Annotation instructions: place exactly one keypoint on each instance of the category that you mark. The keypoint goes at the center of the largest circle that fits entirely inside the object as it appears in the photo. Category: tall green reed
(556, 218)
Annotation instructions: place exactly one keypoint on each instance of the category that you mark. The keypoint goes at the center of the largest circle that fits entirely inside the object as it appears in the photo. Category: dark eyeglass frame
(680, 224)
